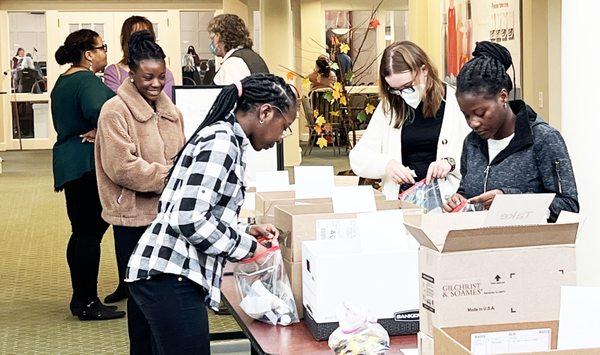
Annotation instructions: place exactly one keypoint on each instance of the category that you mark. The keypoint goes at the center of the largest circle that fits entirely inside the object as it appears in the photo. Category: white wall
(581, 123)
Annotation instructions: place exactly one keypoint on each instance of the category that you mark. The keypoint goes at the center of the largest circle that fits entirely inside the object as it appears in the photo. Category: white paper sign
(272, 181)
(313, 181)
(579, 325)
(382, 230)
(249, 201)
(518, 341)
(194, 104)
(353, 199)
(335, 229)
(519, 210)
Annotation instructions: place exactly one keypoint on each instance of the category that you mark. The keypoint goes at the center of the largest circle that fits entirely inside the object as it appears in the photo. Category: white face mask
(413, 99)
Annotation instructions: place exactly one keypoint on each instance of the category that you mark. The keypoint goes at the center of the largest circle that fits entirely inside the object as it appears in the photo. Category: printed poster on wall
(467, 21)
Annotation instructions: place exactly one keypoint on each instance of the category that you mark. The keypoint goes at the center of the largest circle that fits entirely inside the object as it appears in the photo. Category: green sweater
(76, 102)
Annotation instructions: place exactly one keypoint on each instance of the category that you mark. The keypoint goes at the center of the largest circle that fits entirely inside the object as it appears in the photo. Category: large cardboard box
(305, 222)
(335, 271)
(472, 275)
(266, 202)
(457, 340)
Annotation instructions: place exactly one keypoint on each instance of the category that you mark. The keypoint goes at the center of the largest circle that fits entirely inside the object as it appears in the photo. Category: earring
(132, 82)
(261, 121)
(505, 105)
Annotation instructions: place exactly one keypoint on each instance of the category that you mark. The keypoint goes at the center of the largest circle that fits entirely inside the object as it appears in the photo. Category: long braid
(486, 72)
(257, 89)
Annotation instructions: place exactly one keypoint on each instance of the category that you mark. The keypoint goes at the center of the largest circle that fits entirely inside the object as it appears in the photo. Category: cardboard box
(304, 222)
(472, 275)
(309, 222)
(457, 340)
(334, 271)
(266, 202)
(294, 272)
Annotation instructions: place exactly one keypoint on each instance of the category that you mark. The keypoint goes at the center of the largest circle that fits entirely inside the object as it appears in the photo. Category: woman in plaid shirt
(176, 267)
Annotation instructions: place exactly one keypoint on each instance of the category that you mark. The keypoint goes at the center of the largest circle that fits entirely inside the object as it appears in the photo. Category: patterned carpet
(34, 280)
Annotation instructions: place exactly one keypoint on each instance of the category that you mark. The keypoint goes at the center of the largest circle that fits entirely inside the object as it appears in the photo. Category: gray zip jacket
(535, 161)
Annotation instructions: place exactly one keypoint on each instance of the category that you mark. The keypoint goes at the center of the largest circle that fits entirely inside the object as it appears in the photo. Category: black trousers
(87, 228)
(167, 315)
(126, 239)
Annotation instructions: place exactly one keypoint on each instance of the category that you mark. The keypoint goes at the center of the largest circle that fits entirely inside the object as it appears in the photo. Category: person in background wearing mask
(416, 131)
(511, 149)
(116, 74)
(230, 40)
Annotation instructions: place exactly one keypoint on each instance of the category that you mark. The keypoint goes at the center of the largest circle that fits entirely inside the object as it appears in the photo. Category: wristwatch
(452, 163)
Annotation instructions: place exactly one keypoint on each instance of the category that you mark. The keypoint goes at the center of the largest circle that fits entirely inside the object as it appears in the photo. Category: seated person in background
(322, 76)
(511, 149)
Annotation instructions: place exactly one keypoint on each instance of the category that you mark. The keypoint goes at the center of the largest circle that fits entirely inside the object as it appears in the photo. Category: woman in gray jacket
(511, 149)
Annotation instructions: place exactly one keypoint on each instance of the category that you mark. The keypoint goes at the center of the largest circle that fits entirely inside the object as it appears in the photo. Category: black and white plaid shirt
(197, 226)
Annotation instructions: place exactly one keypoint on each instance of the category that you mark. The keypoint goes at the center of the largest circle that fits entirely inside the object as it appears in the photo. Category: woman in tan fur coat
(139, 133)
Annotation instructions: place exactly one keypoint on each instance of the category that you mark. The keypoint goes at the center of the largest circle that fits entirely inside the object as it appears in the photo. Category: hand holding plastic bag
(424, 195)
(357, 333)
(265, 288)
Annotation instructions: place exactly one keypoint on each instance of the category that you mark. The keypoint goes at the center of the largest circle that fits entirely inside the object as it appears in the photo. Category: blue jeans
(167, 315)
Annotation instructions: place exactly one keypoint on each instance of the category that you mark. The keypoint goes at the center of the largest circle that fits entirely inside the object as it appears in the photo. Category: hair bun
(66, 54)
(493, 50)
(139, 37)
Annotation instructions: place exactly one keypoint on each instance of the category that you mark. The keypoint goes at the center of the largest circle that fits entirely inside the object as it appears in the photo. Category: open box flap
(451, 232)
(510, 237)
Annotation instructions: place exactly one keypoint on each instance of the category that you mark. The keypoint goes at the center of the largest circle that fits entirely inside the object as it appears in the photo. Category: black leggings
(126, 239)
(87, 228)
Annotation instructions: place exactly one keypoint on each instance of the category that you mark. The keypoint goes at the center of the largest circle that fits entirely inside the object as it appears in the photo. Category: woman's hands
(88, 136)
(399, 173)
(485, 199)
(438, 170)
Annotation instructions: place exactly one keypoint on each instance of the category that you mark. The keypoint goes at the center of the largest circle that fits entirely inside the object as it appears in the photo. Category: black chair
(26, 79)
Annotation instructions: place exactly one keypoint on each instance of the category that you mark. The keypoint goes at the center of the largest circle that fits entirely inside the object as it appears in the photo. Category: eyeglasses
(287, 131)
(104, 47)
(405, 90)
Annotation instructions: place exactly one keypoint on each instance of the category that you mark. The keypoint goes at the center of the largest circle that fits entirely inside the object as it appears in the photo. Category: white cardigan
(381, 143)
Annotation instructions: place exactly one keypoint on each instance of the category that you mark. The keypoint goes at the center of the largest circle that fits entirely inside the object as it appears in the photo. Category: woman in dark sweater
(76, 100)
(511, 149)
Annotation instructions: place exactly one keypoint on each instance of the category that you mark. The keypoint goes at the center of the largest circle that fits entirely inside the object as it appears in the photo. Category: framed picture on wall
(466, 22)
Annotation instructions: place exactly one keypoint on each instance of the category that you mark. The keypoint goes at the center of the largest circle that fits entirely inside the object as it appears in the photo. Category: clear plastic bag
(424, 195)
(469, 207)
(265, 288)
(358, 334)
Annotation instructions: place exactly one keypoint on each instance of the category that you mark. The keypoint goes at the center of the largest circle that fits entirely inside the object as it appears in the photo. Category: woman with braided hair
(139, 132)
(176, 267)
(511, 149)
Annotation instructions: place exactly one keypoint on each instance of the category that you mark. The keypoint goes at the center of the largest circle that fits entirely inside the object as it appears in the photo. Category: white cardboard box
(309, 222)
(334, 271)
(471, 275)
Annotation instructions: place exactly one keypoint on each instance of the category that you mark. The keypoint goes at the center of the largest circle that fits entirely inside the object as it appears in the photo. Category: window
(28, 51)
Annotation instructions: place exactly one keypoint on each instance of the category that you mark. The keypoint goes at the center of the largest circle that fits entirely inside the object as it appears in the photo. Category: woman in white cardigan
(417, 131)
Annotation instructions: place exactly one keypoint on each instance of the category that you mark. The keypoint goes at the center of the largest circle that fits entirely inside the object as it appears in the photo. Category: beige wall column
(236, 7)
(535, 56)
(425, 28)
(554, 62)
(277, 49)
(5, 121)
